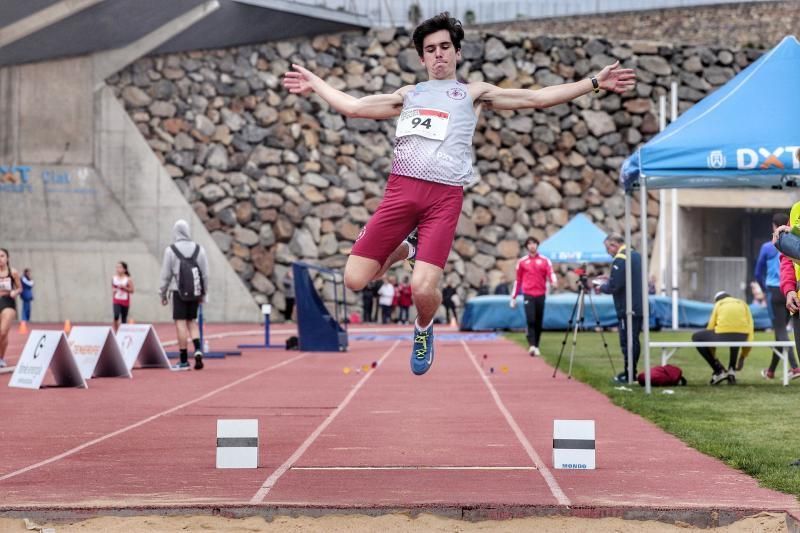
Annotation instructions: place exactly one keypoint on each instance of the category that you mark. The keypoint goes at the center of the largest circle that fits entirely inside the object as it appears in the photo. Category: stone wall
(276, 178)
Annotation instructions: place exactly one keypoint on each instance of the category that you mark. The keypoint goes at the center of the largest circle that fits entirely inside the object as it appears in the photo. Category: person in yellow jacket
(730, 321)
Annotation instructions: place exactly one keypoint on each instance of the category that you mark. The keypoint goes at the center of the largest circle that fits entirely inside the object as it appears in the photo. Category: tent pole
(645, 295)
(662, 212)
(674, 219)
(674, 257)
(628, 289)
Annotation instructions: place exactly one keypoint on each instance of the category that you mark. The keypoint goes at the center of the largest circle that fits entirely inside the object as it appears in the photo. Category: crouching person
(730, 321)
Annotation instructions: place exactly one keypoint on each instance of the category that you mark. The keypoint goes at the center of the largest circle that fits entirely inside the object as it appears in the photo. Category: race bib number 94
(430, 123)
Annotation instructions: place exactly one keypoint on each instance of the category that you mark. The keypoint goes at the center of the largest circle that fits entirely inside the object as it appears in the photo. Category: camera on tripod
(583, 277)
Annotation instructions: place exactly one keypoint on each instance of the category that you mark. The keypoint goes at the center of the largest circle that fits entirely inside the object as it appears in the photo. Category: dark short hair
(615, 237)
(530, 240)
(780, 219)
(442, 21)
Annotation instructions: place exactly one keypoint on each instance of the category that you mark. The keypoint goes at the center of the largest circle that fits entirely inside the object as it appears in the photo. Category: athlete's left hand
(616, 79)
(777, 233)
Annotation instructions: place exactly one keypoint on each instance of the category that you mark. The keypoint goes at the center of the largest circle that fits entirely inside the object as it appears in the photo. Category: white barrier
(140, 343)
(46, 350)
(573, 444)
(96, 352)
(237, 443)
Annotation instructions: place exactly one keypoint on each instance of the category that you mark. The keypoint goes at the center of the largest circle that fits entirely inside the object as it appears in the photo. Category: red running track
(459, 437)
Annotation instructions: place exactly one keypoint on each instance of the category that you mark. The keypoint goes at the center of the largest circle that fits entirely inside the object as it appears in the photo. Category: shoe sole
(198, 362)
(418, 372)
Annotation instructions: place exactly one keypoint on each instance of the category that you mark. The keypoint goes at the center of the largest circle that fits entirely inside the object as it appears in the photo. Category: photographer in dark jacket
(615, 246)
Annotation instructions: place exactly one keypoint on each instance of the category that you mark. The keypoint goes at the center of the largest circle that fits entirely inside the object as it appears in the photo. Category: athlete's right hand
(792, 302)
(513, 303)
(300, 80)
(164, 301)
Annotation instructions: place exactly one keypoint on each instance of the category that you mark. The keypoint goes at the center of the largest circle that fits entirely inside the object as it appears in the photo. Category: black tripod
(576, 322)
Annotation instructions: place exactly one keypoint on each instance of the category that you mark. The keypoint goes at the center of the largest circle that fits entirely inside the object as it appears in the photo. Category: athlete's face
(120, 269)
(3, 258)
(439, 56)
(532, 247)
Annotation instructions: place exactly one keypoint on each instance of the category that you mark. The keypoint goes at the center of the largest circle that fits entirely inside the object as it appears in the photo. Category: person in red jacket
(533, 273)
(404, 300)
(789, 278)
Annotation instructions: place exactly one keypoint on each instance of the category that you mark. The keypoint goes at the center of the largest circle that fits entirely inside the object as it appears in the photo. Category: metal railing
(403, 12)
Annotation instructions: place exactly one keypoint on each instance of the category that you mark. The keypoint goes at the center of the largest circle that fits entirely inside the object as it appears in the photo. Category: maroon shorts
(410, 203)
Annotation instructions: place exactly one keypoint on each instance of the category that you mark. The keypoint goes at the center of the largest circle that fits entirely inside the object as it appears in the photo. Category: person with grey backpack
(184, 277)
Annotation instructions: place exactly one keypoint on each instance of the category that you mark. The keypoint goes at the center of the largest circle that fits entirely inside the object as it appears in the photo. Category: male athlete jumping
(432, 161)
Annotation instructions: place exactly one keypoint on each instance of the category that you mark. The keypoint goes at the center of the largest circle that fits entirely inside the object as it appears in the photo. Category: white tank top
(433, 140)
(119, 294)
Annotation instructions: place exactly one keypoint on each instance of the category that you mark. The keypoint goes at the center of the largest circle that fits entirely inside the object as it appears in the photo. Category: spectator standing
(534, 272)
(449, 301)
(730, 321)
(121, 290)
(27, 294)
(790, 274)
(367, 299)
(615, 286)
(288, 294)
(385, 300)
(404, 301)
(767, 274)
(184, 277)
(502, 287)
(376, 289)
(483, 288)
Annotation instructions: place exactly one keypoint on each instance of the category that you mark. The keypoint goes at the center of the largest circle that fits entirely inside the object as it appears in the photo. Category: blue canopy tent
(579, 241)
(745, 134)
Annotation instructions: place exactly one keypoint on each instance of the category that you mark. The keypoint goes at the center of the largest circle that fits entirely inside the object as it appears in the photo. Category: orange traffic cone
(23, 328)
(131, 321)
(67, 326)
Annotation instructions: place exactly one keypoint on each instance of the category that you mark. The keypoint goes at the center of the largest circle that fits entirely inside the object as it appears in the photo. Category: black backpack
(190, 279)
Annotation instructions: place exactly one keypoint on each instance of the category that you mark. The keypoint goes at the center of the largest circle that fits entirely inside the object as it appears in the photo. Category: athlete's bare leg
(193, 330)
(7, 316)
(358, 271)
(182, 330)
(361, 270)
(400, 254)
(425, 291)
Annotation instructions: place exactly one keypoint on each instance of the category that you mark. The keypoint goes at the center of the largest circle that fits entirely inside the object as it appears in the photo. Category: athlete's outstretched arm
(611, 78)
(302, 81)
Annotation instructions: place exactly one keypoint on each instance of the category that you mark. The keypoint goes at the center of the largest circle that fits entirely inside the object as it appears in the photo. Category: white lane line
(270, 482)
(357, 468)
(555, 489)
(149, 419)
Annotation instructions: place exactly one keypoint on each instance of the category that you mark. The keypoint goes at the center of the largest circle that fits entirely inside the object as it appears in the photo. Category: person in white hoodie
(184, 311)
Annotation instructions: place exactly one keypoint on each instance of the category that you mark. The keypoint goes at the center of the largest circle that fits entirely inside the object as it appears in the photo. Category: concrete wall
(153, 202)
(80, 190)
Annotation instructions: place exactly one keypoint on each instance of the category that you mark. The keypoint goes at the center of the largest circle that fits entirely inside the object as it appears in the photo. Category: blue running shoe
(413, 240)
(422, 352)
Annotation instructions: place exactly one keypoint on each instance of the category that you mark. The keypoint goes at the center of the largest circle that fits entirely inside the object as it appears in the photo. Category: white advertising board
(139, 343)
(46, 350)
(96, 352)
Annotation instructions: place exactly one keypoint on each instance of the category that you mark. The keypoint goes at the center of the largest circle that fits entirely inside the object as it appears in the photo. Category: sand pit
(394, 523)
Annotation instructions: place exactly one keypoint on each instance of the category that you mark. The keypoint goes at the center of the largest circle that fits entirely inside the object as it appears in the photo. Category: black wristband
(595, 85)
